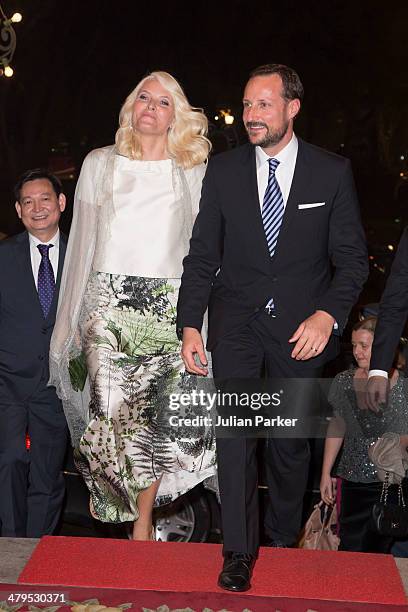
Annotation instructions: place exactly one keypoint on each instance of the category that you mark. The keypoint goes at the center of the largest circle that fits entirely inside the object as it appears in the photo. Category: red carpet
(193, 569)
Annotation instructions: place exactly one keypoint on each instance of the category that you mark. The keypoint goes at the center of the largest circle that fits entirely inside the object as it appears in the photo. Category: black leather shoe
(236, 572)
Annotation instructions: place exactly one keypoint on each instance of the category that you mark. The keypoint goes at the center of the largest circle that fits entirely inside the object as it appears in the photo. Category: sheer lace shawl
(93, 211)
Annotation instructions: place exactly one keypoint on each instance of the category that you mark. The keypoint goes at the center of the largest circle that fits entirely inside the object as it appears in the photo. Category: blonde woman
(135, 204)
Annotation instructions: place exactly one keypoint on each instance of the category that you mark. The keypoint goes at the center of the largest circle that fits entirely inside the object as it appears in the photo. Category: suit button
(41, 357)
(274, 279)
(257, 309)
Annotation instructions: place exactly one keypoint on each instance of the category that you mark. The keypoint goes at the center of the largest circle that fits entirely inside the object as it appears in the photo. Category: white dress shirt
(36, 255)
(284, 172)
(382, 373)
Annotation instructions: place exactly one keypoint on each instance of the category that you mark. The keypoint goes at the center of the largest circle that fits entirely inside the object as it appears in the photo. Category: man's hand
(193, 345)
(377, 392)
(360, 390)
(312, 335)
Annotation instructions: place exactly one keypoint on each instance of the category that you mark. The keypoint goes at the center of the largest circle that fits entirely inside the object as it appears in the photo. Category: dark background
(76, 61)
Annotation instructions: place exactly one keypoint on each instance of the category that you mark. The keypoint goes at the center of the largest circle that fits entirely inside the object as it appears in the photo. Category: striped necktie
(272, 214)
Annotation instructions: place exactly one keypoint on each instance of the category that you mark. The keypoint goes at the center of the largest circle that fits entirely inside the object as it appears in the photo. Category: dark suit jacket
(24, 333)
(393, 310)
(320, 260)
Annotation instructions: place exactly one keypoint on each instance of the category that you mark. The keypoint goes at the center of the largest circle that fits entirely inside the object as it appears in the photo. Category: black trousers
(357, 532)
(248, 353)
(31, 483)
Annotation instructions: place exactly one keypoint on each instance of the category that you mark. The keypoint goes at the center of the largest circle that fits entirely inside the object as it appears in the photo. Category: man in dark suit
(278, 254)
(31, 483)
(392, 315)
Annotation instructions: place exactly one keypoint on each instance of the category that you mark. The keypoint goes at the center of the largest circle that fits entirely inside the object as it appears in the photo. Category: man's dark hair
(33, 175)
(292, 85)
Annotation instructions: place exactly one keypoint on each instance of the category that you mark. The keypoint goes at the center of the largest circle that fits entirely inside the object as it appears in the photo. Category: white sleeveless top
(146, 229)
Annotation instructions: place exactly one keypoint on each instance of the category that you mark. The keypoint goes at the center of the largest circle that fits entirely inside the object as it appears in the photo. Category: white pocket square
(314, 205)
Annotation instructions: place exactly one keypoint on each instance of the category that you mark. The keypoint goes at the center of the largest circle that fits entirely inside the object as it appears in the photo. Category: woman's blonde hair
(186, 140)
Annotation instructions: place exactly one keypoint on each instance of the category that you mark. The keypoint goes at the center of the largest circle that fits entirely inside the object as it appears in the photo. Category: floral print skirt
(133, 361)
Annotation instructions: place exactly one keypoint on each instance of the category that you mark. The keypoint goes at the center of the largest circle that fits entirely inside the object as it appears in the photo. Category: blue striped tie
(272, 214)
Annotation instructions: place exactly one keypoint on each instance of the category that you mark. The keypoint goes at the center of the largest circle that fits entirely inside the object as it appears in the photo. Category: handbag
(319, 531)
(390, 519)
(388, 456)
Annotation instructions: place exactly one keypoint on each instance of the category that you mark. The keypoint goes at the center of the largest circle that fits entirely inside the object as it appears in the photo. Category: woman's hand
(328, 489)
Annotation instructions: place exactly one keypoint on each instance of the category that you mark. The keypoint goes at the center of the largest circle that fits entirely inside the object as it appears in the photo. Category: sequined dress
(363, 427)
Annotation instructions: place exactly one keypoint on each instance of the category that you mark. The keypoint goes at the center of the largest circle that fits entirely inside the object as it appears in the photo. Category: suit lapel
(23, 257)
(249, 185)
(250, 179)
(295, 196)
(61, 257)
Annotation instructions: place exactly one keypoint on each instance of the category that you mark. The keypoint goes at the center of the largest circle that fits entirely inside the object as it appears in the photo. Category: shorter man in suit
(31, 483)
(392, 315)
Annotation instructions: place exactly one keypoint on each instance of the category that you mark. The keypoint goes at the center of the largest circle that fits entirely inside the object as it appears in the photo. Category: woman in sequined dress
(352, 430)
